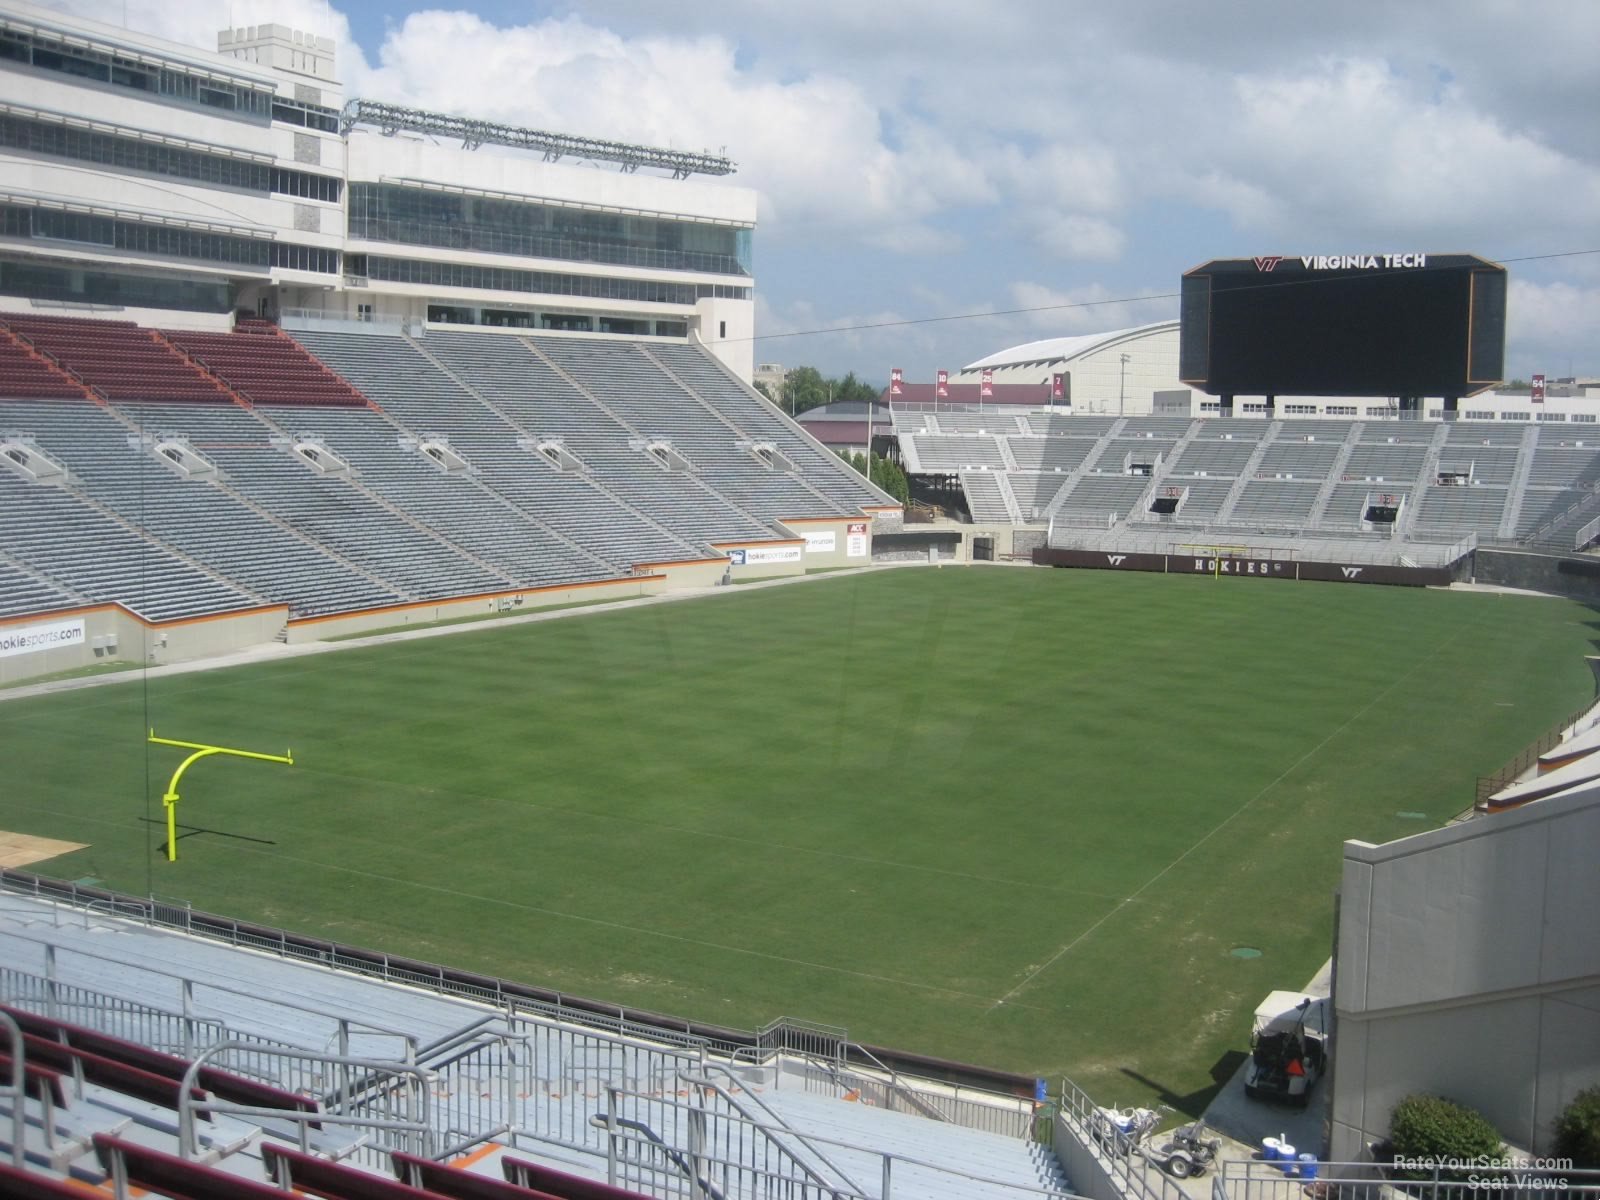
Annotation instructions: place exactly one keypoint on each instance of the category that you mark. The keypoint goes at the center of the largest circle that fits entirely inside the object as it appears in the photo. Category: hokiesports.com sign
(752, 556)
(30, 639)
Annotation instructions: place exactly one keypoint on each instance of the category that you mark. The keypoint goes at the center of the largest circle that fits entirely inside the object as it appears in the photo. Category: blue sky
(917, 158)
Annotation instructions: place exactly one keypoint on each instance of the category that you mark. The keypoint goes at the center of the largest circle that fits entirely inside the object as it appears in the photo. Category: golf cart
(1289, 1048)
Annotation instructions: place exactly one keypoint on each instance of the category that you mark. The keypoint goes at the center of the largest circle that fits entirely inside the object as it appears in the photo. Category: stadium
(462, 740)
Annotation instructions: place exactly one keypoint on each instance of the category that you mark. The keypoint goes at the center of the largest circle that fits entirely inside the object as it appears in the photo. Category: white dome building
(1125, 371)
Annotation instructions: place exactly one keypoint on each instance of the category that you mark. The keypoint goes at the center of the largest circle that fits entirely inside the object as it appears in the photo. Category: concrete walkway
(1245, 1122)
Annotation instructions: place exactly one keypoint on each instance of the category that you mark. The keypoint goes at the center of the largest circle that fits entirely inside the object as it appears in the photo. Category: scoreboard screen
(1344, 325)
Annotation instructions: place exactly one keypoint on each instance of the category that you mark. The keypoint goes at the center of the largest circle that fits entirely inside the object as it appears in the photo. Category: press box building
(173, 186)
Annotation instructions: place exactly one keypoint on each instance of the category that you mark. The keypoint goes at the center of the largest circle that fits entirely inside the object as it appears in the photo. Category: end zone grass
(1016, 817)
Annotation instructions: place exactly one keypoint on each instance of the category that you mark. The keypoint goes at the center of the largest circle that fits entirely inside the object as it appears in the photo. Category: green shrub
(1578, 1130)
(1433, 1129)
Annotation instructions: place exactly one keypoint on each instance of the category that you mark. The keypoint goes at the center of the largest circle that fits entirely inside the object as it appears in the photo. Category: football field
(1017, 817)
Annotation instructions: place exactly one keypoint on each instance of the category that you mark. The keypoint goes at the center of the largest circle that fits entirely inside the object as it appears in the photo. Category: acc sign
(28, 639)
(855, 539)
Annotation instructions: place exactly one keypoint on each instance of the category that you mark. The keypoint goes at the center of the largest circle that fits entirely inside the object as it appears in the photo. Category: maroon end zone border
(1253, 568)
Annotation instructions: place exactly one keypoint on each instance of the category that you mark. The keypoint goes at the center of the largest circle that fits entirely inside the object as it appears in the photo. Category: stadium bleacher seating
(468, 463)
(456, 464)
(542, 1119)
(24, 372)
(267, 368)
(1530, 485)
(117, 359)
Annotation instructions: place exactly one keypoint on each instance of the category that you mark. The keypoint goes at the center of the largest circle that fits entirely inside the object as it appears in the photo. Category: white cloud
(1351, 148)
(1087, 308)
(815, 147)
(969, 145)
(1547, 324)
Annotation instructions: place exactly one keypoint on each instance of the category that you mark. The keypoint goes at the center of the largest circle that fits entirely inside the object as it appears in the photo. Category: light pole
(1122, 382)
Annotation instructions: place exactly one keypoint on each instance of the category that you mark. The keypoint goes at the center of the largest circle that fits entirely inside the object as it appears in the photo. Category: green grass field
(1014, 817)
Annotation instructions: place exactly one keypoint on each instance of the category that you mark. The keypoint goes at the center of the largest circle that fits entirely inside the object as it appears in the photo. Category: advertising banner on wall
(752, 556)
(30, 639)
(1244, 567)
(855, 539)
(821, 543)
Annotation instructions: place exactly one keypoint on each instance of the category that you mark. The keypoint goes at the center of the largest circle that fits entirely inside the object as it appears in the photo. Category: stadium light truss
(392, 118)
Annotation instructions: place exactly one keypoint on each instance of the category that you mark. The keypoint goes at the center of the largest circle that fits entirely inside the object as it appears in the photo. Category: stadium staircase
(1519, 482)
(1335, 474)
(1089, 463)
(743, 436)
(1247, 473)
(1160, 478)
(642, 423)
(336, 1071)
(1008, 496)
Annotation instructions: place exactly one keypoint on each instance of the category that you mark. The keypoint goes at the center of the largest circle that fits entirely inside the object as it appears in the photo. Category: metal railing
(16, 1092)
(1526, 759)
(371, 1108)
(956, 1104)
(1586, 534)
(187, 995)
(170, 1032)
(637, 1127)
(775, 1128)
(683, 1045)
(1506, 1178)
(1128, 1173)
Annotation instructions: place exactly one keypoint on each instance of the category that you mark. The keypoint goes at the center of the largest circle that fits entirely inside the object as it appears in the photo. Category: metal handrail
(611, 1123)
(187, 984)
(887, 1160)
(17, 1089)
(414, 1124)
(910, 1093)
(1126, 1171)
(767, 1128)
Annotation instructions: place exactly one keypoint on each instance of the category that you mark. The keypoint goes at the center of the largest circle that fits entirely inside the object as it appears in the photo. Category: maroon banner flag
(986, 385)
(895, 381)
(1058, 387)
(942, 388)
(1538, 389)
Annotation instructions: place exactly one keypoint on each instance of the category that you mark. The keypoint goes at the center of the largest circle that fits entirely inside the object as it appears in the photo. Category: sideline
(280, 651)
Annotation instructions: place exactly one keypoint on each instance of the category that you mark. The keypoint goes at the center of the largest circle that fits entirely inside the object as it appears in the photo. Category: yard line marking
(1216, 829)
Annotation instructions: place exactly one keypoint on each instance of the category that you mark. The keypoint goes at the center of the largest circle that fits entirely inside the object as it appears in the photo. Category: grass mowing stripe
(1214, 830)
(909, 777)
(502, 902)
(753, 843)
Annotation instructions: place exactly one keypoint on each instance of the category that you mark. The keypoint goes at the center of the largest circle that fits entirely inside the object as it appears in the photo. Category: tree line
(806, 388)
(884, 473)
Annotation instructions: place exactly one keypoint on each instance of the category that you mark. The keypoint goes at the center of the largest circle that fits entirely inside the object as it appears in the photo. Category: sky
(920, 159)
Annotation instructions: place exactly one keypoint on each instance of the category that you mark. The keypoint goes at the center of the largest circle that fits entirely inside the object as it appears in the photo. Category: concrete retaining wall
(1574, 575)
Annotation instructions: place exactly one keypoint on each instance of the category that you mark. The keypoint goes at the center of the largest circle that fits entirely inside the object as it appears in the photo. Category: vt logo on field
(1350, 572)
(1116, 560)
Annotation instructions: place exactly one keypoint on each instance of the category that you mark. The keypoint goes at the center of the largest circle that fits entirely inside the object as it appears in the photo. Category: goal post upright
(201, 750)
